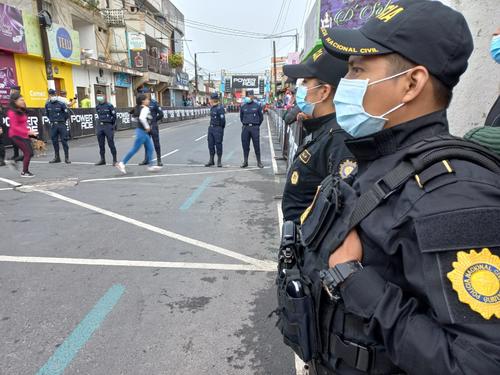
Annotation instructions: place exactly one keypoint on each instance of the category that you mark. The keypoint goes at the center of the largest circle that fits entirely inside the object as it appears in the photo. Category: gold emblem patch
(295, 178)
(346, 168)
(305, 156)
(476, 279)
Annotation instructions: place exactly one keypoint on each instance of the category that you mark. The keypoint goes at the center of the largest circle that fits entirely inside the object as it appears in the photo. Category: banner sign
(182, 79)
(7, 76)
(33, 38)
(140, 60)
(11, 29)
(123, 80)
(136, 41)
(64, 44)
(245, 82)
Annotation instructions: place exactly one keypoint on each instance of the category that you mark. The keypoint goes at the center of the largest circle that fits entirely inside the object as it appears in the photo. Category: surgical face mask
(495, 48)
(53, 99)
(302, 103)
(247, 100)
(100, 99)
(351, 115)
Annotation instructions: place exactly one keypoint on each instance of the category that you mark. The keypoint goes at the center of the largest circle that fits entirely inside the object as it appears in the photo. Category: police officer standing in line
(156, 115)
(417, 283)
(57, 112)
(216, 130)
(323, 150)
(106, 114)
(251, 116)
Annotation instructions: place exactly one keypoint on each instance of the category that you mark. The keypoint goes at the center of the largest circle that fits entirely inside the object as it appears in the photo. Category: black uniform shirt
(432, 272)
(218, 116)
(322, 153)
(106, 113)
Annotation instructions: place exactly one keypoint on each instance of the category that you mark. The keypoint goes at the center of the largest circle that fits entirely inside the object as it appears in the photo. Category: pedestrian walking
(106, 115)
(19, 131)
(141, 116)
(58, 114)
(15, 156)
(156, 116)
(216, 130)
(251, 117)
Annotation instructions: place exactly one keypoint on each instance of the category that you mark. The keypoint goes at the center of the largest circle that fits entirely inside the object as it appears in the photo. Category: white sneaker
(121, 167)
(154, 168)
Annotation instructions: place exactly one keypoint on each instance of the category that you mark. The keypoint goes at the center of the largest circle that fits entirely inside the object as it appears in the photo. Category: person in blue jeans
(141, 116)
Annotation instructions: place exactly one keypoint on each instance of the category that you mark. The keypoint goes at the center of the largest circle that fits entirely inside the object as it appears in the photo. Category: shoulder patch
(305, 156)
(476, 279)
(346, 167)
(294, 179)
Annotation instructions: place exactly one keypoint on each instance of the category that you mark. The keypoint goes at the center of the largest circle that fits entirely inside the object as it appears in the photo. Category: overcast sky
(240, 54)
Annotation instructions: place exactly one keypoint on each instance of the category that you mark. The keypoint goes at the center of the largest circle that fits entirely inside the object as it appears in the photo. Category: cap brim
(297, 71)
(348, 42)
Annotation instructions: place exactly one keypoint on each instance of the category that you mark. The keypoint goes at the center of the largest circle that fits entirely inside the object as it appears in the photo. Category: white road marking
(10, 182)
(170, 175)
(273, 154)
(73, 162)
(168, 154)
(263, 265)
(198, 139)
(130, 263)
(4, 189)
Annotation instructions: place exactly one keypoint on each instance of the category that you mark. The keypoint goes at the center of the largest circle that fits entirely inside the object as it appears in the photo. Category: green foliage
(176, 60)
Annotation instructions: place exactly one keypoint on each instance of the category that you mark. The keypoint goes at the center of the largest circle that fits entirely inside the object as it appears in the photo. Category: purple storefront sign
(7, 76)
(11, 30)
(350, 14)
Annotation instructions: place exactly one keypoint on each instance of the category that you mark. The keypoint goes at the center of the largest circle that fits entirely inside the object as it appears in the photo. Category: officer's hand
(1, 131)
(350, 250)
(302, 116)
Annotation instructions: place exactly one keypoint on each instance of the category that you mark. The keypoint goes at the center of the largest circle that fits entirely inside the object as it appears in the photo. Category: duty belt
(250, 125)
(105, 123)
(58, 123)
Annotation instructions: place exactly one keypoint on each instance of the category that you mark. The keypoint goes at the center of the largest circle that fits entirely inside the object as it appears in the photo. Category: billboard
(245, 82)
(349, 14)
(11, 29)
(136, 41)
(64, 44)
(8, 76)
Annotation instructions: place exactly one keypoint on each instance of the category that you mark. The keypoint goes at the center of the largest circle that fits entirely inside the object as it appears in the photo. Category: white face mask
(351, 115)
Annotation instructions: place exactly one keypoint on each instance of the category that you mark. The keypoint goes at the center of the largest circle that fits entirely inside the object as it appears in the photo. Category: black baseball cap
(52, 92)
(425, 32)
(250, 93)
(320, 65)
(214, 96)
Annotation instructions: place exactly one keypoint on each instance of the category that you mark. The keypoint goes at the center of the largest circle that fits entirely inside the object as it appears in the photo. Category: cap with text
(425, 32)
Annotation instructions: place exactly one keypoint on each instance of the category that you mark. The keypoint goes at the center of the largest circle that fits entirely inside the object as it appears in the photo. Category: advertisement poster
(11, 29)
(350, 14)
(64, 44)
(33, 38)
(245, 82)
(123, 80)
(139, 60)
(7, 76)
(136, 41)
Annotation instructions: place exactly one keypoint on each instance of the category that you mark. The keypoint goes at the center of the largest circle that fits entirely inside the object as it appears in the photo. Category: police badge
(346, 167)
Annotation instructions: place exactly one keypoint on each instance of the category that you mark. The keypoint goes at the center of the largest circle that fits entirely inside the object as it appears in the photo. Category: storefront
(176, 95)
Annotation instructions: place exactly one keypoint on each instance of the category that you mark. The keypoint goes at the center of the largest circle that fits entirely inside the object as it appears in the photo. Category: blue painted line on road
(65, 353)
(230, 155)
(196, 194)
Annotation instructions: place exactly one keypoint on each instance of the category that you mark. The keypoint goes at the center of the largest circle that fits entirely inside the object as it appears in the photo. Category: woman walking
(142, 117)
(19, 131)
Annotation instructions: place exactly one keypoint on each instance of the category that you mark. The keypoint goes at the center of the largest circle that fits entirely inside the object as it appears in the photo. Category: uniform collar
(389, 141)
(315, 126)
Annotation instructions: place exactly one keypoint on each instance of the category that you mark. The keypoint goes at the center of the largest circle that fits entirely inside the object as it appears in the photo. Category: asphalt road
(167, 273)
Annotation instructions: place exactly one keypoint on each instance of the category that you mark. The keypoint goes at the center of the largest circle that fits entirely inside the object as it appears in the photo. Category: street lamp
(196, 71)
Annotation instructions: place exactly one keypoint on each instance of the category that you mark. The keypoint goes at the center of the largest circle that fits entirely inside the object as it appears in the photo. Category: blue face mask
(247, 100)
(351, 115)
(495, 48)
(302, 103)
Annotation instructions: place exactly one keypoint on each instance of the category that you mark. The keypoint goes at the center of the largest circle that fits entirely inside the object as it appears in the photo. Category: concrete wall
(480, 84)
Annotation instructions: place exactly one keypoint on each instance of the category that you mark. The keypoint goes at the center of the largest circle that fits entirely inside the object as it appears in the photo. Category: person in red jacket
(19, 131)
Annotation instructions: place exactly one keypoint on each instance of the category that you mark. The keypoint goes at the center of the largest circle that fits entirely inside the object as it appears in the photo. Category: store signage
(123, 80)
(136, 41)
(11, 29)
(7, 76)
(182, 79)
(64, 44)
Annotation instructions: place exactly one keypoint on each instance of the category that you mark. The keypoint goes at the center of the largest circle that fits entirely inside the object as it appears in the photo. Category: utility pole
(45, 46)
(297, 41)
(275, 71)
(195, 78)
(209, 83)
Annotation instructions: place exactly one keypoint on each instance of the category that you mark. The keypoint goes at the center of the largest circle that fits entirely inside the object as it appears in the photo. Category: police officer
(216, 130)
(251, 117)
(156, 116)
(106, 127)
(417, 283)
(323, 150)
(57, 112)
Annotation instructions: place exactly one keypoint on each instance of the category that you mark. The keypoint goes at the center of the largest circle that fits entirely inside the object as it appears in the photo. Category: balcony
(157, 65)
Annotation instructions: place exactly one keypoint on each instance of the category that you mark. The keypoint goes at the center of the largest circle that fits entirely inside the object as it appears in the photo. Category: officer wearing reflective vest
(106, 120)
(216, 130)
(410, 281)
(58, 114)
(323, 150)
(251, 117)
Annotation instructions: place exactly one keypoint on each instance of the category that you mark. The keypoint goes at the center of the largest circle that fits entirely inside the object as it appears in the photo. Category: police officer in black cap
(57, 112)
(156, 116)
(216, 130)
(323, 150)
(106, 115)
(251, 116)
(416, 284)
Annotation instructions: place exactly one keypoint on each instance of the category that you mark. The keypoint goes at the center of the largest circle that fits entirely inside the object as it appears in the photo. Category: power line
(286, 14)
(276, 25)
